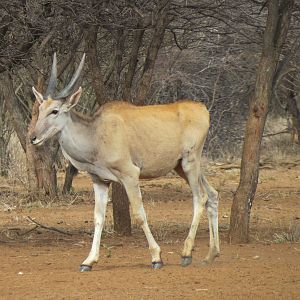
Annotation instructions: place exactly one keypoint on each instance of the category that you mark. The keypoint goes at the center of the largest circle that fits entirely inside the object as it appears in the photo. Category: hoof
(85, 268)
(157, 265)
(186, 261)
(209, 259)
(205, 263)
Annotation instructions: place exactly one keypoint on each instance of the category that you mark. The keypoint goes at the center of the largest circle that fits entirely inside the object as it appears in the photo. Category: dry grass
(290, 234)
(277, 233)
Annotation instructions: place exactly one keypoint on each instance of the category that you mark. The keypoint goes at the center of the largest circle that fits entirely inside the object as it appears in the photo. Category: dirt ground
(39, 263)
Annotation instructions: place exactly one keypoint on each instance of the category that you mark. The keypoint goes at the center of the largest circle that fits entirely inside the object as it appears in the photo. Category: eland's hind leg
(191, 168)
(212, 213)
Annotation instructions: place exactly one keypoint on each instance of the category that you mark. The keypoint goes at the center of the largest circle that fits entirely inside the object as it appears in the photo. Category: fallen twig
(28, 231)
(47, 227)
(232, 166)
(229, 167)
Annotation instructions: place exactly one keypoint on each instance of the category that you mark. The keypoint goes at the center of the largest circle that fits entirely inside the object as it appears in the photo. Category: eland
(125, 143)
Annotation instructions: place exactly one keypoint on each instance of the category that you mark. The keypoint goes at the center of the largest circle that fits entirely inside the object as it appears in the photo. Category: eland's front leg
(138, 212)
(101, 199)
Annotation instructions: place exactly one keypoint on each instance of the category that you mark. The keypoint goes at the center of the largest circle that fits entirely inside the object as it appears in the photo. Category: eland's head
(53, 107)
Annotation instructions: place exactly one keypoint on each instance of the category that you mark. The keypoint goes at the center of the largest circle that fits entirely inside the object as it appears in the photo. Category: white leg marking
(199, 204)
(212, 213)
(101, 199)
(192, 170)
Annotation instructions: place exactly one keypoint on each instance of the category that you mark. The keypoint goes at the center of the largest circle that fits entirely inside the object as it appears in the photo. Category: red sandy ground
(43, 264)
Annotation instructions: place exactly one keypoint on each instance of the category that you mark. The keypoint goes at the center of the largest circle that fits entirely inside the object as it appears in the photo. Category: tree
(6, 131)
(278, 20)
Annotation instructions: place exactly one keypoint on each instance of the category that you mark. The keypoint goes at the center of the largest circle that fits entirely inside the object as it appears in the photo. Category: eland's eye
(54, 112)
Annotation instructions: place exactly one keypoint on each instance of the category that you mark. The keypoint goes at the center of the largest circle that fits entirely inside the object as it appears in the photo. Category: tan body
(124, 143)
(122, 132)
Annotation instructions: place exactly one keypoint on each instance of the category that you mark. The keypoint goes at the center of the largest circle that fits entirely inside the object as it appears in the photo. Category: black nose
(33, 139)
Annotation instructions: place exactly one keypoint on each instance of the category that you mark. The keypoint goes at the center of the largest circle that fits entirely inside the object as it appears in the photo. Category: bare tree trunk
(120, 36)
(5, 134)
(133, 60)
(3, 167)
(71, 171)
(279, 14)
(122, 220)
(90, 35)
(4, 159)
(16, 115)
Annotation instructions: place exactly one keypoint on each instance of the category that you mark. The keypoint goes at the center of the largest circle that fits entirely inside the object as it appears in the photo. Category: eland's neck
(77, 138)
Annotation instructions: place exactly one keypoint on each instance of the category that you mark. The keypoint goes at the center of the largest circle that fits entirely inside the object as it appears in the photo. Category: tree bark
(133, 60)
(16, 115)
(5, 134)
(120, 36)
(3, 158)
(90, 35)
(279, 14)
(122, 220)
(71, 171)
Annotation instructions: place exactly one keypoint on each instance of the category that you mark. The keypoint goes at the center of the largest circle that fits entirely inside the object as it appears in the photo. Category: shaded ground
(43, 264)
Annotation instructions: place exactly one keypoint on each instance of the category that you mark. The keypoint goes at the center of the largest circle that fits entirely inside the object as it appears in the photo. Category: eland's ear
(38, 96)
(73, 100)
